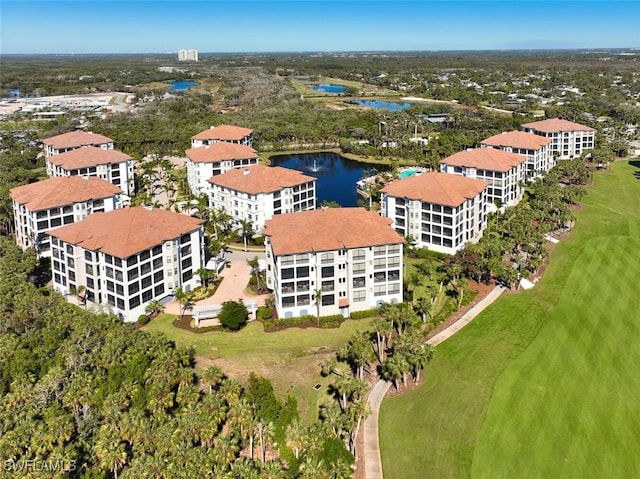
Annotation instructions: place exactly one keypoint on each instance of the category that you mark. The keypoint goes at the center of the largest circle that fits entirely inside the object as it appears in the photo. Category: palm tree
(318, 301)
(185, 300)
(246, 230)
(295, 434)
(255, 267)
(154, 308)
(213, 376)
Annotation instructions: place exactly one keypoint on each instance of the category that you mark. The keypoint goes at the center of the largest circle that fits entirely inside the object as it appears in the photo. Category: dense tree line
(104, 399)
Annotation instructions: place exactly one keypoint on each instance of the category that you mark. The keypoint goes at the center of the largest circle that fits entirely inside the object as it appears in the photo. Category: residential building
(226, 133)
(536, 150)
(339, 260)
(257, 193)
(504, 171)
(441, 212)
(187, 55)
(75, 139)
(110, 165)
(568, 139)
(127, 258)
(48, 204)
(215, 159)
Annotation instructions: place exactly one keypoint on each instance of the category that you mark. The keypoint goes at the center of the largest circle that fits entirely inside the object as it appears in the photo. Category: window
(134, 287)
(380, 290)
(379, 277)
(147, 296)
(287, 273)
(288, 301)
(359, 255)
(186, 263)
(145, 268)
(186, 276)
(359, 282)
(157, 262)
(393, 275)
(379, 250)
(286, 260)
(303, 300)
(158, 276)
(328, 299)
(146, 281)
(326, 258)
(379, 263)
(359, 296)
(132, 273)
(88, 268)
(145, 255)
(158, 290)
(327, 271)
(302, 271)
(303, 286)
(358, 268)
(327, 286)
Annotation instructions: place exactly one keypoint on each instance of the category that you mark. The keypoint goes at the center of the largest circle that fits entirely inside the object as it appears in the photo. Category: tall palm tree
(255, 266)
(184, 299)
(246, 230)
(318, 302)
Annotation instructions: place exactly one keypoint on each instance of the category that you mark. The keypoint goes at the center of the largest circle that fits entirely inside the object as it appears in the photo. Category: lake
(336, 175)
(182, 85)
(328, 88)
(385, 105)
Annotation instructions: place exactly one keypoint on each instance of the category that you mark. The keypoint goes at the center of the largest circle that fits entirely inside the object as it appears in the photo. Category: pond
(328, 88)
(182, 85)
(337, 176)
(385, 105)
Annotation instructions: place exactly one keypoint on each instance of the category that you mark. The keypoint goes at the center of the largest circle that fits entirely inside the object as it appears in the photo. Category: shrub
(143, 319)
(234, 315)
(253, 281)
(264, 313)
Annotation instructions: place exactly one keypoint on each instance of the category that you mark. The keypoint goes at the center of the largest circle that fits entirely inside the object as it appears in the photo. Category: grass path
(535, 379)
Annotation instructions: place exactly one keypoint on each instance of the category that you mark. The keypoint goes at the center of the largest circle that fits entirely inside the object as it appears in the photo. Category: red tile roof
(517, 139)
(486, 159)
(438, 188)
(260, 179)
(62, 191)
(556, 124)
(223, 133)
(127, 231)
(76, 139)
(220, 152)
(88, 156)
(329, 229)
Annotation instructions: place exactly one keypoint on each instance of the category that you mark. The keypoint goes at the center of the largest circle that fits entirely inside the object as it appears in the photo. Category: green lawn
(544, 383)
(291, 358)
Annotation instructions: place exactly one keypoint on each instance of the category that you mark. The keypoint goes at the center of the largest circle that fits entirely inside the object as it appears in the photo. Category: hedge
(367, 313)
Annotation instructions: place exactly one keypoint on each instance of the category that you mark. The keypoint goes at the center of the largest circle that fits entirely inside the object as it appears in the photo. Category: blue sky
(159, 26)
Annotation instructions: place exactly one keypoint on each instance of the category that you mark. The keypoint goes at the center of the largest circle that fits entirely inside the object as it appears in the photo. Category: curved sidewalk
(372, 461)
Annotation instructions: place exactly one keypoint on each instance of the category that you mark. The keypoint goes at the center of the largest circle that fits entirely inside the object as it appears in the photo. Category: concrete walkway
(372, 461)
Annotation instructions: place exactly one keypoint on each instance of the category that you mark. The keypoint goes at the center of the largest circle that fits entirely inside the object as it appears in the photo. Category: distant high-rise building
(187, 55)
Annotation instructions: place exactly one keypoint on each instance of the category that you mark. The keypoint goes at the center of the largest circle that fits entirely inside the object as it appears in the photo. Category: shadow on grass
(636, 163)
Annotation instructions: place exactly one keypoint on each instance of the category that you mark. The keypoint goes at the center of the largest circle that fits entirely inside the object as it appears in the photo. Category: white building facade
(440, 211)
(75, 139)
(536, 150)
(226, 133)
(109, 164)
(49, 204)
(503, 171)
(568, 139)
(339, 260)
(257, 193)
(162, 252)
(215, 159)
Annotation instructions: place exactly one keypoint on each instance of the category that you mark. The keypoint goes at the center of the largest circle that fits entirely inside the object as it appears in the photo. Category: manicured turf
(544, 383)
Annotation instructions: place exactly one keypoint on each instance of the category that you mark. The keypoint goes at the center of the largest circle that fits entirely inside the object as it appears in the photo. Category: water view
(182, 85)
(337, 176)
(328, 88)
(385, 105)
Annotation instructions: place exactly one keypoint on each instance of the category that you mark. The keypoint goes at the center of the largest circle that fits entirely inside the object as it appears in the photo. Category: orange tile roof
(556, 124)
(260, 179)
(61, 191)
(127, 231)
(220, 152)
(485, 158)
(438, 188)
(75, 139)
(88, 156)
(343, 302)
(517, 139)
(329, 229)
(223, 133)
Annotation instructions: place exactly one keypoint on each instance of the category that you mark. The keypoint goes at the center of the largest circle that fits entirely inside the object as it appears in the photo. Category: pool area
(407, 173)
(328, 88)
